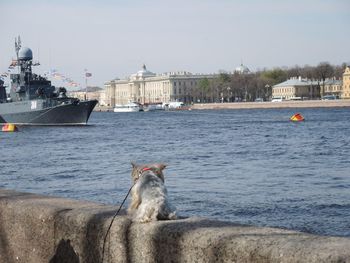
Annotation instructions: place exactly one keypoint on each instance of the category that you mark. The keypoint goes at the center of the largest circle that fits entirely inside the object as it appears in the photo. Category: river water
(245, 166)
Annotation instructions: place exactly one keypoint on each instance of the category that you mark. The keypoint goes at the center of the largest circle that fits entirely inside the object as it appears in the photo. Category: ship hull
(65, 114)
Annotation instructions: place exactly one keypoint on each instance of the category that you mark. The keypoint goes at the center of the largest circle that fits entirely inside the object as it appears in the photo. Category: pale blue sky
(114, 38)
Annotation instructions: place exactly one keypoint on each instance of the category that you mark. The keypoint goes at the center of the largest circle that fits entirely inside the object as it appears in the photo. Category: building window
(175, 83)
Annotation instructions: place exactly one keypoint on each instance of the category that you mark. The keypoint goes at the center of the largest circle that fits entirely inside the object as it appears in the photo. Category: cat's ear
(133, 165)
(160, 166)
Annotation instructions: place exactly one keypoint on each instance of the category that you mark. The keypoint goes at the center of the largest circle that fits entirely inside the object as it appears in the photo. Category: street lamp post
(267, 86)
(228, 94)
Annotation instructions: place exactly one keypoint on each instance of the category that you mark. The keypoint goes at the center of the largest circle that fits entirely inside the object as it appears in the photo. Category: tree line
(226, 87)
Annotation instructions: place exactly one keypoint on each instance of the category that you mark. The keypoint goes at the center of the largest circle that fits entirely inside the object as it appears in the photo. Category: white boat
(153, 107)
(174, 105)
(129, 107)
(277, 99)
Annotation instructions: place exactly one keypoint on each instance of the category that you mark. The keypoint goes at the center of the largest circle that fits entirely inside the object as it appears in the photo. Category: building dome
(25, 53)
(242, 69)
(144, 73)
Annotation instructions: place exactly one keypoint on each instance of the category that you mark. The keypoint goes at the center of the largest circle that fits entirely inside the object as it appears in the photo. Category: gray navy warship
(34, 101)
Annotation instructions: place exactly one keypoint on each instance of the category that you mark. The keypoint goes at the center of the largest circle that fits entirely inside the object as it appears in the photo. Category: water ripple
(245, 166)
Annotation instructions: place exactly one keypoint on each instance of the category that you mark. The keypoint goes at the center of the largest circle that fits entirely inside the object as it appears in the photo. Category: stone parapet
(273, 105)
(36, 228)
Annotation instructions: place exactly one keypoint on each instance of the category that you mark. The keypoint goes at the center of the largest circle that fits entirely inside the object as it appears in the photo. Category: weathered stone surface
(39, 229)
(273, 105)
(201, 240)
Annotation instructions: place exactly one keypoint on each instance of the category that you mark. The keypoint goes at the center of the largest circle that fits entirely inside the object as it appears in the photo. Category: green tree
(224, 78)
(274, 76)
(204, 86)
(324, 70)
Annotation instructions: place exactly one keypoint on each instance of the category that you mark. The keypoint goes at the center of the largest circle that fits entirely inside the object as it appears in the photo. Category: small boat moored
(153, 107)
(129, 107)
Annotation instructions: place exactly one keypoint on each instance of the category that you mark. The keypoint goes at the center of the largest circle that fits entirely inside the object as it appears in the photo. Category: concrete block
(36, 228)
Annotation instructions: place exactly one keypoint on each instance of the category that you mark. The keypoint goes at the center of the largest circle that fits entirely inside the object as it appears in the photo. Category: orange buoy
(9, 127)
(297, 117)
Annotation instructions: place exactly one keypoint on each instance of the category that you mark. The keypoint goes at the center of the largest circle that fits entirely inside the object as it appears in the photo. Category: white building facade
(146, 87)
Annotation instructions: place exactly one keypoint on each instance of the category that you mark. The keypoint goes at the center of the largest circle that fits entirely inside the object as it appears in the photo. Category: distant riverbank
(261, 105)
(273, 105)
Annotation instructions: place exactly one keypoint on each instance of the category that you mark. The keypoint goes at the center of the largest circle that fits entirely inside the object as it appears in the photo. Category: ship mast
(18, 46)
(24, 63)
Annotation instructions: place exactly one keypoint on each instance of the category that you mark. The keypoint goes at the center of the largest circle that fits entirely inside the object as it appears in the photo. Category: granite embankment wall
(273, 105)
(261, 105)
(36, 228)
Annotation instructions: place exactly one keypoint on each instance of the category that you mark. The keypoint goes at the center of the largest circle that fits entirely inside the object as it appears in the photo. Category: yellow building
(147, 87)
(346, 84)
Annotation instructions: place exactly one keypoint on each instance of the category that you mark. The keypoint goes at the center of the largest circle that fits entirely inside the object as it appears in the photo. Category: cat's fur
(149, 199)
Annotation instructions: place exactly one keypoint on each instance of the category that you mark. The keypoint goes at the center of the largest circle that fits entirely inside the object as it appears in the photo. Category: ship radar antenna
(18, 45)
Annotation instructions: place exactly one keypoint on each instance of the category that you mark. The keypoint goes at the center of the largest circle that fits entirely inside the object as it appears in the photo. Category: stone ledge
(36, 228)
(273, 105)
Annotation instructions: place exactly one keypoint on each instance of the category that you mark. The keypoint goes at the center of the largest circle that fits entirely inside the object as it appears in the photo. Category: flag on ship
(13, 63)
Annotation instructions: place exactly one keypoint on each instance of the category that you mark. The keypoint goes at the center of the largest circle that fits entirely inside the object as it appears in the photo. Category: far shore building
(346, 84)
(333, 87)
(91, 95)
(297, 88)
(146, 87)
(242, 69)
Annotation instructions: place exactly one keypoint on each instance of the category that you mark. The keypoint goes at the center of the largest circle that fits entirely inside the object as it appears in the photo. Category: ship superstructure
(34, 101)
